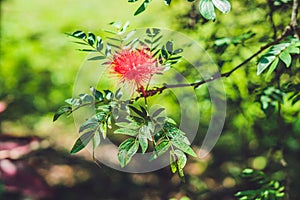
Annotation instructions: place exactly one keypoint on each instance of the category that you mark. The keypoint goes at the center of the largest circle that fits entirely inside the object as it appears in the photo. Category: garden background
(39, 64)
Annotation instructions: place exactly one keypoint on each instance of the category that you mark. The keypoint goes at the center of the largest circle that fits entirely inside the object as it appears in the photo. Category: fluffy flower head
(134, 67)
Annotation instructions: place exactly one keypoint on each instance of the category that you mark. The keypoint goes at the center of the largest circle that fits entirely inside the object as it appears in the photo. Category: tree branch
(291, 29)
(293, 23)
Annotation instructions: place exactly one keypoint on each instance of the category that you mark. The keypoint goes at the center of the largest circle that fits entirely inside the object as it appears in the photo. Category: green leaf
(178, 161)
(207, 10)
(157, 39)
(74, 101)
(87, 50)
(177, 51)
(96, 140)
(157, 112)
(108, 50)
(296, 99)
(148, 41)
(137, 111)
(81, 43)
(184, 147)
(280, 50)
(116, 24)
(103, 129)
(126, 131)
(264, 62)
(272, 67)
(99, 45)
(127, 149)
(79, 35)
(62, 110)
(97, 58)
(142, 8)
(145, 113)
(126, 144)
(170, 121)
(100, 117)
(222, 5)
(173, 163)
(169, 47)
(97, 94)
(86, 98)
(146, 131)
(91, 123)
(143, 142)
(286, 58)
(293, 49)
(82, 141)
(108, 95)
(164, 53)
(91, 39)
(161, 148)
(248, 171)
(181, 159)
(167, 2)
(118, 94)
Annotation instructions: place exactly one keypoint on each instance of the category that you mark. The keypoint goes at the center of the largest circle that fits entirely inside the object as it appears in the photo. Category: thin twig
(293, 23)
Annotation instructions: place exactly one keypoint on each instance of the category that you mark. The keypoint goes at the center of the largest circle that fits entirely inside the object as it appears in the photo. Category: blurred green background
(39, 64)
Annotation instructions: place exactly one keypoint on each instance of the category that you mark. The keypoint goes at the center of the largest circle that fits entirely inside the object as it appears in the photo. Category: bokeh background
(38, 67)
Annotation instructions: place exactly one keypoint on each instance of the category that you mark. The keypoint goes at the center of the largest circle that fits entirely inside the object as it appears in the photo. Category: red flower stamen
(135, 67)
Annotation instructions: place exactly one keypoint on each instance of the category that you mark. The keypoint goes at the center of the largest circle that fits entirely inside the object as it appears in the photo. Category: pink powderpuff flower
(135, 67)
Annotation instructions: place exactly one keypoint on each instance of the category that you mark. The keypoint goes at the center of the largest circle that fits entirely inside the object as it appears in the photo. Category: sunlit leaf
(82, 141)
(264, 62)
(91, 123)
(143, 7)
(126, 131)
(79, 34)
(91, 39)
(127, 149)
(96, 140)
(222, 5)
(167, 2)
(181, 159)
(143, 142)
(97, 94)
(73, 101)
(273, 66)
(100, 117)
(108, 95)
(160, 149)
(99, 45)
(184, 147)
(286, 58)
(173, 163)
(62, 110)
(207, 9)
